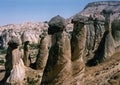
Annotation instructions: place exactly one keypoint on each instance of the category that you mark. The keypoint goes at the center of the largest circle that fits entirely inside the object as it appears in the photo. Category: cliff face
(102, 39)
(102, 42)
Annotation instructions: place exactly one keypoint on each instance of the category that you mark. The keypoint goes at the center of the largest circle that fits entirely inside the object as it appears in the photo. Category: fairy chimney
(58, 68)
(15, 71)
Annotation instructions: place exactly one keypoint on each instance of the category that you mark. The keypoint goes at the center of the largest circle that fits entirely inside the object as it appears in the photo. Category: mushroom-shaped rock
(56, 24)
(78, 35)
(58, 68)
(116, 32)
(79, 18)
(15, 71)
(78, 42)
(107, 14)
(14, 42)
(107, 11)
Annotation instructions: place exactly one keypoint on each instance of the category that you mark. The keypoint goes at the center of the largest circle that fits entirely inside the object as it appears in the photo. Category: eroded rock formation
(58, 68)
(78, 42)
(26, 31)
(42, 55)
(88, 55)
(15, 70)
(26, 56)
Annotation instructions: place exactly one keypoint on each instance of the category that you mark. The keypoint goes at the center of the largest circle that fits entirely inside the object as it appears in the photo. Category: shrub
(2, 62)
(3, 51)
(33, 46)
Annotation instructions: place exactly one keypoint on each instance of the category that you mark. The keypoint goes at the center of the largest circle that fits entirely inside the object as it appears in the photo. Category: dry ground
(106, 73)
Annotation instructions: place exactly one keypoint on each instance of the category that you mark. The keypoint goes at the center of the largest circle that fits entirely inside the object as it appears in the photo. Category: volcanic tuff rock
(26, 31)
(95, 39)
(99, 42)
(96, 8)
(15, 71)
(88, 55)
(58, 68)
(102, 42)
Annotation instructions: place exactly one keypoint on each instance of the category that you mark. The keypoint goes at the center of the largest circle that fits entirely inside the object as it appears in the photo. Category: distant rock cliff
(96, 8)
(25, 31)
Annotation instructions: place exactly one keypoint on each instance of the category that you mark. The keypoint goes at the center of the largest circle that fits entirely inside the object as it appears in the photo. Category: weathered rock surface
(27, 31)
(15, 70)
(78, 42)
(26, 56)
(43, 53)
(95, 8)
(58, 69)
(101, 45)
(85, 52)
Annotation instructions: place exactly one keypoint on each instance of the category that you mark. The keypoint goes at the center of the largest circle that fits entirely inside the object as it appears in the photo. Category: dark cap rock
(14, 42)
(107, 11)
(56, 24)
(79, 18)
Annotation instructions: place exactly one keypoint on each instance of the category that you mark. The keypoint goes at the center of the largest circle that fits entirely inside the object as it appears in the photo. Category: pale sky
(19, 11)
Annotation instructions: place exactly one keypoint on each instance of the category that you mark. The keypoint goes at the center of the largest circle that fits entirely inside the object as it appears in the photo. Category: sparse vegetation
(31, 81)
(21, 47)
(3, 51)
(2, 62)
(33, 46)
(2, 56)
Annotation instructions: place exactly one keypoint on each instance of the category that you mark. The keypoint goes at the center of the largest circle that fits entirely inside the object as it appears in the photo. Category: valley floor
(106, 73)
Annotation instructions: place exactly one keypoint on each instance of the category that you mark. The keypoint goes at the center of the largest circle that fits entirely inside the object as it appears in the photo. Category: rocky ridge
(28, 30)
(97, 7)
